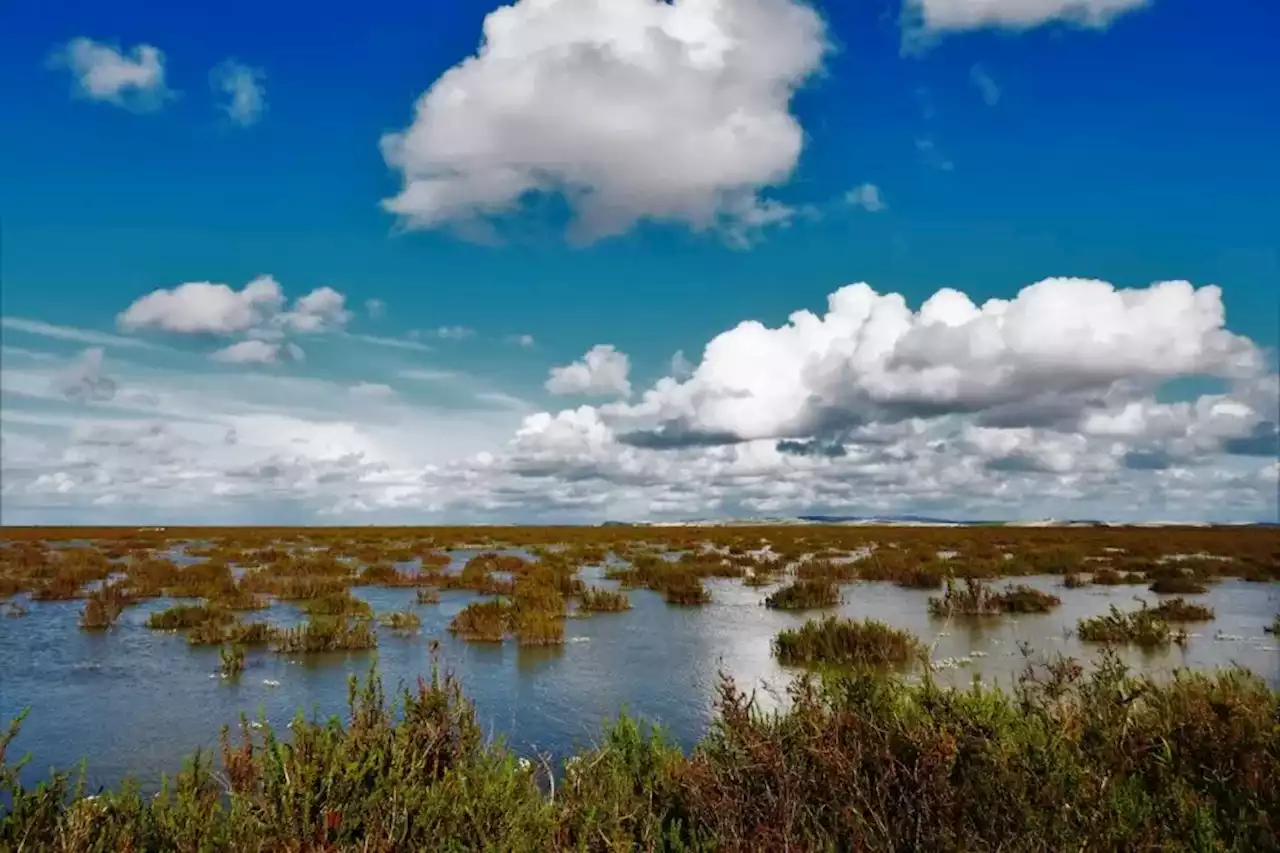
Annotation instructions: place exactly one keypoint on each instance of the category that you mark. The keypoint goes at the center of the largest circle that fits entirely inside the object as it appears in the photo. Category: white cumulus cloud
(632, 109)
(244, 88)
(1046, 354)
(202, 307)
(104, 72)
(938, 16)
(601, 372)
(248, 352)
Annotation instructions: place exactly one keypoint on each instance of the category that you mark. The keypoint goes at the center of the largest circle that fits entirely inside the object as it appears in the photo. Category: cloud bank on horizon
(1046, 400)
(218, 402)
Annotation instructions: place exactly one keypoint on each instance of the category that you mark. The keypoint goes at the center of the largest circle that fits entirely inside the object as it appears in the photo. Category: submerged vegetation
(859, 761)
(845, 642)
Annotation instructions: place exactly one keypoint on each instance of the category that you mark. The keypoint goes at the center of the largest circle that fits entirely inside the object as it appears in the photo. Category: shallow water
(137, 702)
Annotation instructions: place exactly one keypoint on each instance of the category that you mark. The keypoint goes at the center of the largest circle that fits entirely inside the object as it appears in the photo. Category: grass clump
(427, 595)
(1143, 627)
(1178, 585)
(326, 635)
(337, 604)
(1025, 599)
(538, 628)
(481, 621)
(1181, 610)
(684, 589)
(1274, 627)
(596, 600)
(400, 620)
(183, 616)
(804, 595)
(231, 661)
(845, 642)
(104, 607)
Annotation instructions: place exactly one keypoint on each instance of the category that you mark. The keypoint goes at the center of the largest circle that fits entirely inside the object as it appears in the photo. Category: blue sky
(1132, 148)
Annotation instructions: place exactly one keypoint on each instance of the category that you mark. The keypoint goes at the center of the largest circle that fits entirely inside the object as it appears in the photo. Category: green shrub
(845, 642)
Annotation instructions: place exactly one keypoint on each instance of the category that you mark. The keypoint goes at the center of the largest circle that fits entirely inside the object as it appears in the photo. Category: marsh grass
(683, 589)
(427, 595)
(325, 634)
(1111, 577)
(482, 621)
(1181, 610)
(104, 607)
(859, 761)
(1024, 599)
(337, 604)
(231, 661)
(845, 642)
(1274, 627)
(804, 595)
(1143, 627)
(538, 628)
(1178, 585)
(976, 598)
(180, 617)
(401, 620)
(596, 600)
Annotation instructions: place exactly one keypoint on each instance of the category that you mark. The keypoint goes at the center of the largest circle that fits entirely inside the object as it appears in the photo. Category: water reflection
(134, 701)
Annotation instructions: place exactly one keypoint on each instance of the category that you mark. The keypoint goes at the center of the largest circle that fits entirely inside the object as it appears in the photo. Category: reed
(104, 607)
(482, 621)
(684, 589)
(538, 628)
(928, 769)
(231, 661)
(1024, 599)
(974, 598)
(337, 604)
(1178, 585)
(804, 595)
(1143, 627)
(1181, 610)
(326, 634)
(846, 642)
(183, 616)
(401, 620)
(427, 595)
(596, 600)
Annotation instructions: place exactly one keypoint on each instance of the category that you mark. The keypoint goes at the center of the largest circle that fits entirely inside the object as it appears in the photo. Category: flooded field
(135, 701)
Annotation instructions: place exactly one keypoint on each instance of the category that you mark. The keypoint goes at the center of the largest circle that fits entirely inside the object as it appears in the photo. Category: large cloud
(1058, 348)
(633, 109)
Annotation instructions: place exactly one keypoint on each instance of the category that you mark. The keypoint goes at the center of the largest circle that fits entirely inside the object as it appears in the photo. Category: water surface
(136, 702)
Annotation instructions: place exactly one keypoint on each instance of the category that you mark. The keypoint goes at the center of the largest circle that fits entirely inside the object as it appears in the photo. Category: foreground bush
(845, 642)
(859, 762)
